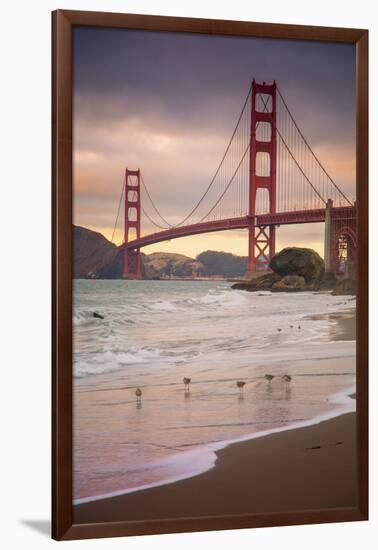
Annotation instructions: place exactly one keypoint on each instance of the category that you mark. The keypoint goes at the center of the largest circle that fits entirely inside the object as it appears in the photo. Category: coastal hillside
(166, 264)
(222, 264)
(96, 257)
(92, 252)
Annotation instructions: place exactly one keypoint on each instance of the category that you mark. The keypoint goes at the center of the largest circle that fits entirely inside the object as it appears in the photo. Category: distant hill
(167, 264)
(96, 257)
(222, 263)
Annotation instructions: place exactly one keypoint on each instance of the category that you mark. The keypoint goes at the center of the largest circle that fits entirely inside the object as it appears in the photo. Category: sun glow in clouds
(173, 121)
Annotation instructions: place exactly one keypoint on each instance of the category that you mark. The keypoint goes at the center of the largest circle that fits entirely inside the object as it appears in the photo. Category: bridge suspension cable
(152, 221)
(309, 148)
(154, 206)
(265, 102)
(221, 162)
(302, 183)
(142, 208)
(227, 187)
(119, 209)
(212, 181)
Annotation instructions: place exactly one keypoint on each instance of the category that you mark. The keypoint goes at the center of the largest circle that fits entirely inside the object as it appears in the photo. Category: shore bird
(286, 378)
(269, 377)
(279, 329)
(240, 384)
(138, 393)
(186, 383)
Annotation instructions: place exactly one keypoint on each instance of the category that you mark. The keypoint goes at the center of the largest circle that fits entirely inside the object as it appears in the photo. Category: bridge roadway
(280, 218)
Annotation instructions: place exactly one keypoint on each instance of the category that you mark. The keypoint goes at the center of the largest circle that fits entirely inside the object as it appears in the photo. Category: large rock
(263, 282)
(293, 270)
(303, 262)
(290, 283)
(345, 287)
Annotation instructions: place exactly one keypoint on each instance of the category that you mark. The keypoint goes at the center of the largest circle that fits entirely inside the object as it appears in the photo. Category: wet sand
(307, 468)
(344, 327)
(301, 469)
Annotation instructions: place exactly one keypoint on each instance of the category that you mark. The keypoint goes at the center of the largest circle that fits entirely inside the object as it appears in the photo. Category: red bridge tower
(131, 258)
(262, 239)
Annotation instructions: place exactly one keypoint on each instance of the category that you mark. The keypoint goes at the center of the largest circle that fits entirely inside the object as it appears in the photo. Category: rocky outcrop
(262, 282)
(345, 287)
(293, 270)
(303, 262)
(290, 283)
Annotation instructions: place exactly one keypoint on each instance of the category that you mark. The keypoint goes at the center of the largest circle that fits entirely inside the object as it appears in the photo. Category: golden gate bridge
(268, 176)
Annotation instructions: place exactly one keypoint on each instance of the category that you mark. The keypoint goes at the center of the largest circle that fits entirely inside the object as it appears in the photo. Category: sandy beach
(300, 469)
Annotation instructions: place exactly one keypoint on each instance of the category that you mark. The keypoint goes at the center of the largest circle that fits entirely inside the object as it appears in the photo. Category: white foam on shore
(189, 464)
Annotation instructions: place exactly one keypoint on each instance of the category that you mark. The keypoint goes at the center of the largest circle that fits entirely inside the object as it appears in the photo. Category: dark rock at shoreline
(263, 282)
(302, 262)
(345, 287)
(290, 283)
(293, 270)
(97, 315)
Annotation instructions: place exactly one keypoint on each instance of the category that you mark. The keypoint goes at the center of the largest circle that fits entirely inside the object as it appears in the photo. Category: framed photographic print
(210, 252)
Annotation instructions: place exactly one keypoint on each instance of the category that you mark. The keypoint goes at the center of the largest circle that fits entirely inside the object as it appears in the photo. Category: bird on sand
(186, 383)
(279, 329)
(269, 377)
(299, 327)
(138, 393)
(286, 378)
(240, 384)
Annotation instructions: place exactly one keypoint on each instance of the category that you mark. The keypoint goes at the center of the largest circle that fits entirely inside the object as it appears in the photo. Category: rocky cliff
(297, 269)
(92, 252)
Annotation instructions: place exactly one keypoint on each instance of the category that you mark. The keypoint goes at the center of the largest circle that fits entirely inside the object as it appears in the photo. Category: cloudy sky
(167, 103)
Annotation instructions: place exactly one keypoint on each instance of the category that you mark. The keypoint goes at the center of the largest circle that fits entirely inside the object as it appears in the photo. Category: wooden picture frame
(63, 22)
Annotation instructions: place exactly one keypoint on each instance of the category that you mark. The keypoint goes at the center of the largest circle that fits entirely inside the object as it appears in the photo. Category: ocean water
(156, 332)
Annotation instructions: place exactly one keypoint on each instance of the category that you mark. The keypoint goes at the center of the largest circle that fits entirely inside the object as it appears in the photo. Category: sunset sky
(167, 103)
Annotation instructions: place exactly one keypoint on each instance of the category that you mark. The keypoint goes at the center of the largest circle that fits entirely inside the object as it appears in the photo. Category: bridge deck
(280, 218)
